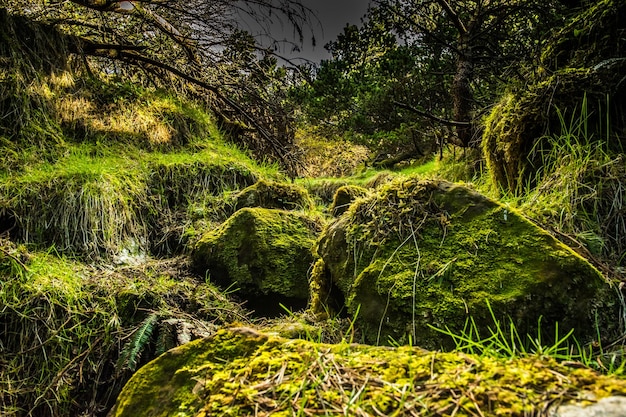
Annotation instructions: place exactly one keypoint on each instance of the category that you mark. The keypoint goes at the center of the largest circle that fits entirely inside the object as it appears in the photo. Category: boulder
(269, 194)
(425, 255)
(243, 372)
(261, 253)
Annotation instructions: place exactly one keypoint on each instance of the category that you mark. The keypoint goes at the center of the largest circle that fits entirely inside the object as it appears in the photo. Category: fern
(131, 353)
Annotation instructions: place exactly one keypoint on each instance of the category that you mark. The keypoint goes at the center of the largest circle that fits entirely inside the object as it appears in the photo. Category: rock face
(424, 254)
(261, 252)
(606, 407)
(241, 372)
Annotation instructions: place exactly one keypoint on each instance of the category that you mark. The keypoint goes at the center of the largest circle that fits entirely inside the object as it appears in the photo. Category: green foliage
(411, 63)
(355, 90)
(141, 337)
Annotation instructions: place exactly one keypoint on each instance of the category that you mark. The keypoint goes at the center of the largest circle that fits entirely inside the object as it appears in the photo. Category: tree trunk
(462, 95)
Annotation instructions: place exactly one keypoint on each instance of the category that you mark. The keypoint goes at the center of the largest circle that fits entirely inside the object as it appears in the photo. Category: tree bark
(462, 95)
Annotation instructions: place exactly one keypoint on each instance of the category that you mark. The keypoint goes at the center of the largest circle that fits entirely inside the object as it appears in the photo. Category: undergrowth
(73, 334)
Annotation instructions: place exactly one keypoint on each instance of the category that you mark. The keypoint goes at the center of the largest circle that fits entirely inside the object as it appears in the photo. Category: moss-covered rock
(260, 252)
(344, 196)
(429, 253)
(269, 194)
(240, 372)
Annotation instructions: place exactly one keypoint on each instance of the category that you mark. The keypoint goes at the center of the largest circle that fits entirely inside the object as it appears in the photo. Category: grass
(98, 198)
(505, 342)
(577, 186)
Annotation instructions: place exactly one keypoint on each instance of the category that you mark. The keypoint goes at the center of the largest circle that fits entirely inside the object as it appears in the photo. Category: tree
(195, 46)
(488, 40)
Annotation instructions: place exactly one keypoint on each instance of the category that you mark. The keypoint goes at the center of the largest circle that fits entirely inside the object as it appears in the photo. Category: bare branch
(453, 16)
(431, 116)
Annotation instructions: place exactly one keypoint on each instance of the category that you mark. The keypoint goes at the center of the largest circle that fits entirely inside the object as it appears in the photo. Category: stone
(260, 253)
(269, 194)
(421, 257)
(344, 196)
(245, 372)
(606, 407)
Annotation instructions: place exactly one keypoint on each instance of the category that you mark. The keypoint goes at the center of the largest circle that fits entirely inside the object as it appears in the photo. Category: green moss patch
(240, 372)
(424, 254)
(259, 252)
(344, 196)
(274, 195)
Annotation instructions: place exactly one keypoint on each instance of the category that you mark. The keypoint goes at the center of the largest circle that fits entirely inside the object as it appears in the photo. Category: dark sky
(334, 15)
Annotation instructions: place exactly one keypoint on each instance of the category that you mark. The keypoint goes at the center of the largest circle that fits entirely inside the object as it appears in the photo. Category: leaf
(131, 353)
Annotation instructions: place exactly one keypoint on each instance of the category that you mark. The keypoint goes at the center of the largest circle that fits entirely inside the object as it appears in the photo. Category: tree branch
(453, 16)
(431, 116)
(135, 8)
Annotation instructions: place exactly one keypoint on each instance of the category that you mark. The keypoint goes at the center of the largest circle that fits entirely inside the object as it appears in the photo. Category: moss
(66, 323)
(259, 251)
(427, 253)
(274, 195)
(344, 196)
(241, 372)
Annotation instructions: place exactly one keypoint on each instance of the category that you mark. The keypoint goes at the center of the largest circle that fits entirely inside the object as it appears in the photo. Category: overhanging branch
(130, 55)
(432, 117)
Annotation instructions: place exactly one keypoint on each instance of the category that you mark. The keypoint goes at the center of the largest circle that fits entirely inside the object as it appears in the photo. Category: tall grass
(577, 185)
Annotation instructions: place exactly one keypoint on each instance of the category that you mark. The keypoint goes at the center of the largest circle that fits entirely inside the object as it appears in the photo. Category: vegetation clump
(420, 255)
(584, 61)
(240, 371)
(83, 330)
(558, 143)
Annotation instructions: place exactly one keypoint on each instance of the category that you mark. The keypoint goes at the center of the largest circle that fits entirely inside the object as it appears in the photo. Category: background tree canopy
(197, 47)
(424, 64)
